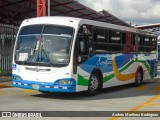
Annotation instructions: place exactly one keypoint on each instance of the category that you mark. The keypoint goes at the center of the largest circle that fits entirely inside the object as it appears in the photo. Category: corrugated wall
(7, 39)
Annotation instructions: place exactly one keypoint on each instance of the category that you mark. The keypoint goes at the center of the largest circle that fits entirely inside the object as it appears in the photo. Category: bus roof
(71, 21)
(76, 22)
(56, 20)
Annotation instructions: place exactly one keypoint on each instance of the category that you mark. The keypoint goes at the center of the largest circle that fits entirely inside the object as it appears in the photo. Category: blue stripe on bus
(104, 62)
(45, 86)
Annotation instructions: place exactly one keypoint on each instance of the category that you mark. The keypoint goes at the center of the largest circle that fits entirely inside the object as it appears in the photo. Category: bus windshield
(44, 45)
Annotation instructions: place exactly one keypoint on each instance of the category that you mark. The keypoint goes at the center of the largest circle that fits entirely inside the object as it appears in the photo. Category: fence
(7, 39)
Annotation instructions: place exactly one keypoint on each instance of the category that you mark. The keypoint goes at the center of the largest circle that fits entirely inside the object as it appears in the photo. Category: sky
(139, 12)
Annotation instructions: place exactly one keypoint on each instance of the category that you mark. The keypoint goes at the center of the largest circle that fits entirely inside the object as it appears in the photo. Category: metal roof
(149, 27)
(14, 11)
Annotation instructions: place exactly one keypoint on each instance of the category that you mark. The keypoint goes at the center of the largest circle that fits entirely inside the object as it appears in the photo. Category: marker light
(17, 78)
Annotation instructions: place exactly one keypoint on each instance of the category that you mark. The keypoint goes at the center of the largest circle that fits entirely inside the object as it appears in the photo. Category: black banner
(79, 113)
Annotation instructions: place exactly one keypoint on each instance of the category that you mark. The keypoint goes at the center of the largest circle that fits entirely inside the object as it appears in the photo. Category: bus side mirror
(82, 46)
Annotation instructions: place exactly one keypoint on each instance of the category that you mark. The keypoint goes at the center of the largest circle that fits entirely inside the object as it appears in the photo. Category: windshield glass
(47, 44)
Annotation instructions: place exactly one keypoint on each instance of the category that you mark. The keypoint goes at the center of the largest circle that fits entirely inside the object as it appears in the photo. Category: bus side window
(140, 43)
(115, 37)
(123, 38)
(95, 37)
(115, 41)
(133, 39)
(99, 35)
(140, 40)
(153, 44)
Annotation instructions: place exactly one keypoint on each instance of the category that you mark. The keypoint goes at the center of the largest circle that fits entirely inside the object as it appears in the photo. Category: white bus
(66, 54)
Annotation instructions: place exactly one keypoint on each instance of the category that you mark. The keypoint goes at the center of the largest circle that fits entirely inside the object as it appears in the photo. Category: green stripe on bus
(148, 67)
(107, 78)
(82, 81)
(141, 61)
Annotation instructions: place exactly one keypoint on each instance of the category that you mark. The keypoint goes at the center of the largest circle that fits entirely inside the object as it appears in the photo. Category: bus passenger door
(84, 43)
(83, 49)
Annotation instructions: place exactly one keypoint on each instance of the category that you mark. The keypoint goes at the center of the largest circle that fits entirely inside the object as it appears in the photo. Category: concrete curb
(5, 79)
(2, 86)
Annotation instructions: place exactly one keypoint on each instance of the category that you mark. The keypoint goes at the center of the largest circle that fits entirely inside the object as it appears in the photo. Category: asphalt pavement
(120, 98)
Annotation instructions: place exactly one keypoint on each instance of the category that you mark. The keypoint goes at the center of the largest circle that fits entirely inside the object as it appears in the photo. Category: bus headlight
(68, 81)
(64, 82)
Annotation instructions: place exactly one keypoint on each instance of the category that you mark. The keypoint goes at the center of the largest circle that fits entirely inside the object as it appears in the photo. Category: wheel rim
(93, 83)
(139, 77)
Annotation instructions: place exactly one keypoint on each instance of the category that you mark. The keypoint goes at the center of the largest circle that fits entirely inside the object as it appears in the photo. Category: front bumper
(43, 86)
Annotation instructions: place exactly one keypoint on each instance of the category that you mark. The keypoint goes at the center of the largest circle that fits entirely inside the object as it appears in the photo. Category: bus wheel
(138, 77)
(94, 85)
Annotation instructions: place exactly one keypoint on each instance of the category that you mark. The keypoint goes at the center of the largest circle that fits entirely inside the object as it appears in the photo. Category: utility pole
(49, 4)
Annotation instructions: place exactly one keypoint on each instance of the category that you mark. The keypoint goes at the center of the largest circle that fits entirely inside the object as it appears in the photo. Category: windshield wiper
(48, 60)
(29, 59)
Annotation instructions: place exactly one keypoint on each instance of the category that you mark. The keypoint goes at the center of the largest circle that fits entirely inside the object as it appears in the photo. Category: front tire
(94, 85)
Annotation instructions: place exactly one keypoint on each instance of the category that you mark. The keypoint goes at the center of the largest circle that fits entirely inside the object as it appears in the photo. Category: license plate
(35, 86)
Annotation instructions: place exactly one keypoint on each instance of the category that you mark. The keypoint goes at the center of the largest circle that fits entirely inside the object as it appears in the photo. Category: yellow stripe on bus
(120, 76)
